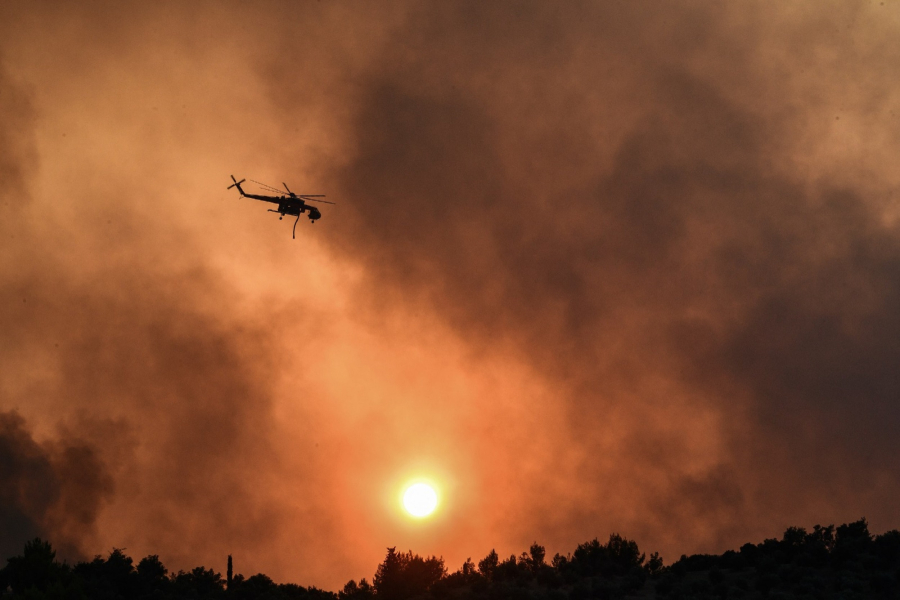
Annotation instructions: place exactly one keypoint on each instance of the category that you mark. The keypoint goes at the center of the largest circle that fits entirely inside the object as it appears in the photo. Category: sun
(420, 500)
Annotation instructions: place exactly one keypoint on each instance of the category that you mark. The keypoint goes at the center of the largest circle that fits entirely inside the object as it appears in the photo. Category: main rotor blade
(314, 200)
(266, 185)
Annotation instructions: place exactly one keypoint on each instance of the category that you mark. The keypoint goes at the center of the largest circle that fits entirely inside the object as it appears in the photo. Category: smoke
(52, 490)
(617, 193)
(597, 267)
(137, 389)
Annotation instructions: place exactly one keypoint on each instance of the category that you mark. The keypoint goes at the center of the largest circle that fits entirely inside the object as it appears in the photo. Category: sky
(593, 267)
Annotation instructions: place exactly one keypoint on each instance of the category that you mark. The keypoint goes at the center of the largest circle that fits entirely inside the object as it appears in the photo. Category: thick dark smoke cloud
(186, 410)
(58, 487)
(51, 490)
(599, 267)
(137, 394)
(616, 190)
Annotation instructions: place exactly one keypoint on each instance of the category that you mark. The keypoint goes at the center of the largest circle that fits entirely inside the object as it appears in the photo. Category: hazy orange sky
(594, 267)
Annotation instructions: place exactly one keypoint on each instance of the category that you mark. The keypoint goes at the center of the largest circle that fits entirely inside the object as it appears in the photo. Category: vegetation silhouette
(846, 562)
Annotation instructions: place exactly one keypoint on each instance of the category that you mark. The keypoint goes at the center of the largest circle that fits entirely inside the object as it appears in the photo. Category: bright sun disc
(419, 500)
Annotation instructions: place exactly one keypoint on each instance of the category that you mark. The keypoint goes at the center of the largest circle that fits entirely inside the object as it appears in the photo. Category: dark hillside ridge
(846, 562)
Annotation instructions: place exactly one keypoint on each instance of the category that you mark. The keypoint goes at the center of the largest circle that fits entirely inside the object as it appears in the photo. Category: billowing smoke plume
(137, 397)
(53, 490)
(602, 267)
(630, 196)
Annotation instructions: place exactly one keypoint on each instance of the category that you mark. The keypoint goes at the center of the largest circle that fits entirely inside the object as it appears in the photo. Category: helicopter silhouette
(291, 204)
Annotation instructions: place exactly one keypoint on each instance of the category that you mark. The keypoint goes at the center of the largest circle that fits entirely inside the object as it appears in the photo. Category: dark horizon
(824, 562)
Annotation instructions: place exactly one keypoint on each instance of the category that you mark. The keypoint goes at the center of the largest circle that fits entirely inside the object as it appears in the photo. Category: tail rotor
(237, 184)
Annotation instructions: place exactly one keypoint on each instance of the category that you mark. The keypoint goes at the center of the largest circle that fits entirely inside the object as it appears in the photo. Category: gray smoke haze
(146, 388)
(570, 178)
(598, 266)
(56, 490)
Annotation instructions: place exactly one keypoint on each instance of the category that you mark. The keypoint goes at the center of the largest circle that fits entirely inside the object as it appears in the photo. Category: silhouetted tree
(408, 575)
(827, 563)
(535, 559)
(199, 583)
(36, 569)
(655, 564)
(120, 572)
(615, 558)
(151, 575)
(487, 566)
(151, 569)
(559, 561)
(255, 586)
(508, 570)
(468, 568)
(291, 591)
(111, 578)
(352, 591)
(851, 541)
(886, 548)
(466, 580)
(624, 553)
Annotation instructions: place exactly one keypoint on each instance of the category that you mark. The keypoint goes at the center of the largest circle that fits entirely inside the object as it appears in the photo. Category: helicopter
(291, 204)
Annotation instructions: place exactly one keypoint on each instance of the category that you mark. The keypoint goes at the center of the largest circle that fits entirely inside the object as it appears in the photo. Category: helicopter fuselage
(289, 206)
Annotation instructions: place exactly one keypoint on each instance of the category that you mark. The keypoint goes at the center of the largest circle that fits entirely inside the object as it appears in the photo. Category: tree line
(844, 562)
